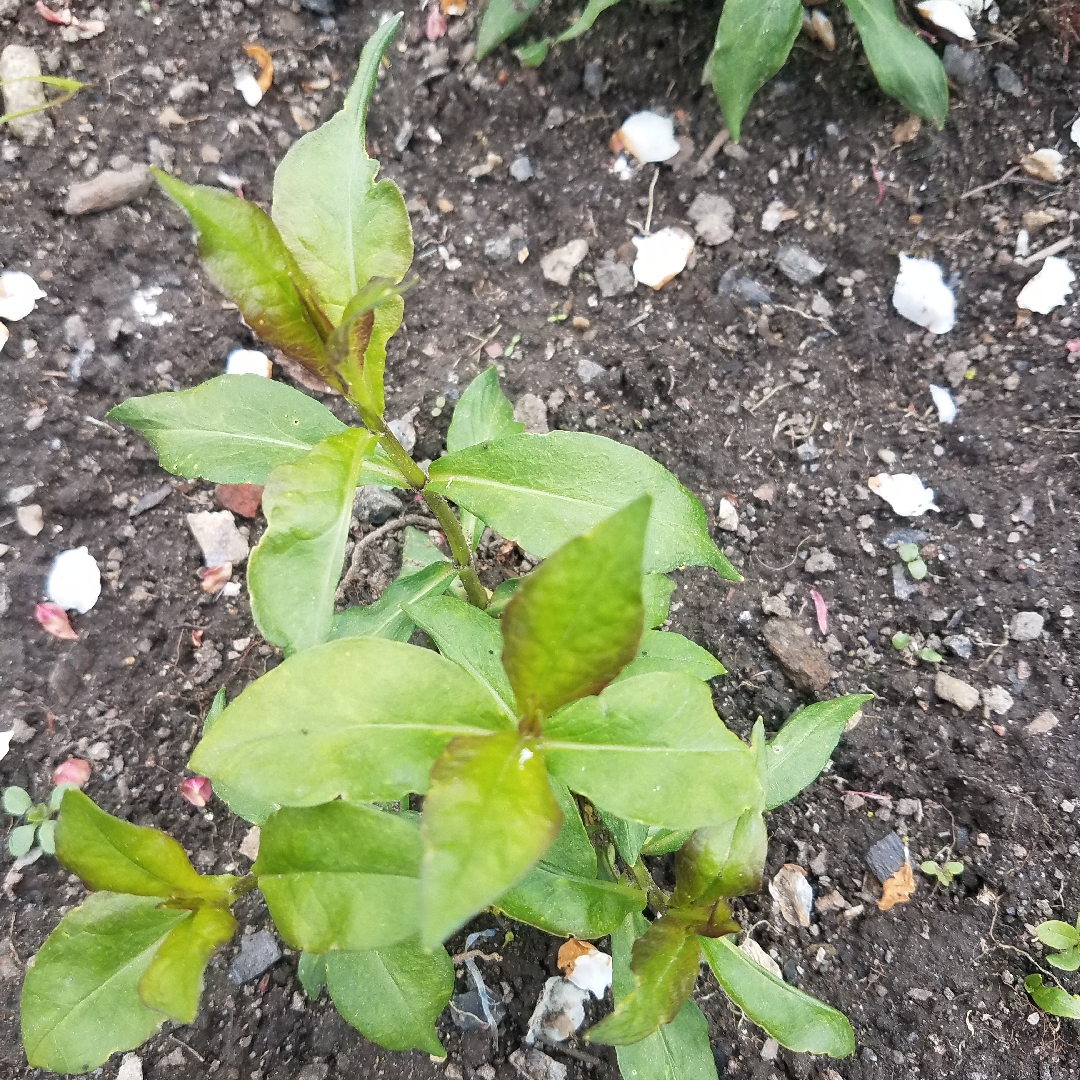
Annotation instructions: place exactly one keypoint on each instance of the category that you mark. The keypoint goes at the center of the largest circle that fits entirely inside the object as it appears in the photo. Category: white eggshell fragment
(592, 971)
(943, 401)
(1049, 288)
(248, 362)
(74, 582)
(904, 492)
(661, 256)
(921, 295)
(19, 294)
(649, 136)
(248, 85)
(1045, 164)
(949, 16)
(4, 335)
(1074, 131)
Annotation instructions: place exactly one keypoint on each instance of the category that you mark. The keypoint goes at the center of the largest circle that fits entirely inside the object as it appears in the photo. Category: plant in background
(1065, 940)
(943, 874)
(39, 821)
(753, 40)
(553, 701)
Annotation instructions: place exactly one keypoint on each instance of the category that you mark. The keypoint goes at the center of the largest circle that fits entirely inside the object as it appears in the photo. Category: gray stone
(821, 561)
(959, 693)
(531, 1064)
(776, 605)
(886, 857)
(559, 265)
(521, 169)
(108, 189)
(959, 645)
(1045, 722)
(588, 370)
(735, 284)
(1008, 81)
(314, 1071)
(19, 71)
(798, 265)
(1025, 626)
(499, 248)
(8, 10)
(258, 953)
(555, 118)
(614, 279)
(592, 78)
(375, 505)
(531, 411)
(964, 66)
(902, 586)
(712, 216)
(997, 700)
(218, 537)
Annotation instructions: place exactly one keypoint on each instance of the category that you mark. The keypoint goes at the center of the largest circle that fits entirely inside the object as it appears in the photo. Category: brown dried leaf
(898, 888)
(265, 78)
(906, 130)
(453, 7)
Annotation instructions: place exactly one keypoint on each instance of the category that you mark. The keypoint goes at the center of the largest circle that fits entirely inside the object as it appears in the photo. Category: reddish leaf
(822, 611)
(242, 499)
(54, 620)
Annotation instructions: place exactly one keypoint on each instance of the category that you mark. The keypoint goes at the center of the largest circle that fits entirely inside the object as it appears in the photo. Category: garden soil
(785, 411)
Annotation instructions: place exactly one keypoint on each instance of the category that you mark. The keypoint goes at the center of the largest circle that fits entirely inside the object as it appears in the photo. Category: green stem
(658, 899)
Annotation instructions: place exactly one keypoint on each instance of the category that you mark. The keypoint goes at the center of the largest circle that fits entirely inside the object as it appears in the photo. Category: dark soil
(721, 395)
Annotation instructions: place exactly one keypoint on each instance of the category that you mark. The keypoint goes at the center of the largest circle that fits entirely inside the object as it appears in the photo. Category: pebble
(149, 500)
(1008, 81)
(108, 189)
(961, 694)
(555, 118)
(592, 78)
(886, 857)
(30, 519)
(963, 66)
(903, 587)
(130, 1068)
(769, 1049)
(249, 846)
(614, 279)
(712, 217)
(375, 505)
(258, 952)
(997, 700)
(532, 1064)
(530, 410)
(727, 517)
(1044, 722)
(977, 520)
(776, 605)
(559, 265)
(20, 62)
(218, 537)
(588, 370)
(316, 1070)
(806, 665)
(821, 561)
(798, 265)
(521, 169)
(959, 645)
(1025, 626)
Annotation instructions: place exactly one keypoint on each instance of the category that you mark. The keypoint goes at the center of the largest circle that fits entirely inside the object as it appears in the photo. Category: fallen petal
(19, 294)
(943, 402)
(921, 295)
(214, 578)
(949, 16)
(435, 26)
(73, 771)
(904, 492)
(53, 619)
(248, 85)
(74, 582)
(559, 1012)
(197, 790)
(821, 609)
(649, 136)
(661, 256)
(5, 333)
(1049, 288)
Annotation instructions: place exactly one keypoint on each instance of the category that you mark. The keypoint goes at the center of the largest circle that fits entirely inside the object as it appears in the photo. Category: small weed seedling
(39, 820)
(944, 874)
(909, 553)
(553, 701)
(1064, 939)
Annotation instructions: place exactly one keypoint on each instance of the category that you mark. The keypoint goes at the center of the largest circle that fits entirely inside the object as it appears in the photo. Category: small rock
(959, 645)
(20, 71)
(242, 499)
(903, 587)
(316, 1070)
(964, 66)
(977, 520)
(531, 1064)
(1045, 164)
(521, 169)
(769, 1049)
(555, 118)
(727, 517)
(806, 665)
(217, 536)
(614, 279)
(776, 605)
(798, 265)
(249, 846)
(821, 561)
(258, 953)
(175, 1060)
(130, 1068)
(712, 217)
(1008, 81)
(1046, 721)
(30, 519)
(531, 411)
(592, 78)
(559, 265)
(793, 894)
(149, 500)
(188, 89)
(997, 700)
(1025, 626)
(108, 189)
(776, 213)
(588, 370)
(961, 694)
(375, 505)
(886, 857)
(910, 808)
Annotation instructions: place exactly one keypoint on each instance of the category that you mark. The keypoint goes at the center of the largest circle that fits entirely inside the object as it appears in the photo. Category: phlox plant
(553, 701)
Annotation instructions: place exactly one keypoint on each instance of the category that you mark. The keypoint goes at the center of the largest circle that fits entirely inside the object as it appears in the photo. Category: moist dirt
(784, 410)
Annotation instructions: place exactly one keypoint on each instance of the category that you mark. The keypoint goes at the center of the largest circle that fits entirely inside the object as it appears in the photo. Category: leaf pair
(1065, 939)
(133, 954)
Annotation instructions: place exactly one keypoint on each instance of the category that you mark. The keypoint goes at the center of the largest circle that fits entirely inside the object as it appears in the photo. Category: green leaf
(311, 971)
(792, 1018)
(1057, 935)
(722, 861)
(362, 718)
(1069, 960)
(390, 616)
(908, 552)
(753, 39)
(802, 747)
(469, 637)
(21, 840)
(393, 996)
(340, 876)
(173, 982)
(343, 227)
(501, 18)
(585, 20)
(576, 622)
(79, 1000)
(1051, 999)
(47, 836)
(235, 429)
(217, 707)
(917, 570)
(906, 67)
(629, 836)
(664, 651)
(247, 260)
(664, 841)
(656, 590)
(679, 1050)
(533, 54)
(294, 570)
(543, 490)
(16, 801)
(664, 963)
(652, 749)
(483, 413)
(418, 551)
(489, 816)
(116, 856)
(503, 594)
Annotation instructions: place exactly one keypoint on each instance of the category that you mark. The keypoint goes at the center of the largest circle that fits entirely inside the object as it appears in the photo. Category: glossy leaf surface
(389, 616)
(629, 836)
(294, 570)
(543, 490)
(576, 621)
(393, 996)
(656, 590)
(722, 860)
(665, 651)
(483, 413)
(362, 718)
(311, 971)
(489, 816)
(792, 1018)
(501, 18)
(1053, 999)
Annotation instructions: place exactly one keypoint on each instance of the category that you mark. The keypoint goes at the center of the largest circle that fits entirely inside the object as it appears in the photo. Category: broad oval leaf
(576, 622)
(906, 67)
(543, 490)
(1057, 934)
(362, 718)
(390, 616)
(753, 39)
(501, 18)
(802, 747)
(393, 996)
(722, 860)
(483, 413)
(489, 816)
(666, 651)
(115, 856)
(294, 570)
(1069, 960)
(629, 836)
(311, 971)
(794, 1019)
(173, 982)
(79, 999)
(340, 876)
(652, 749)
(656, 590)
(1053, 999)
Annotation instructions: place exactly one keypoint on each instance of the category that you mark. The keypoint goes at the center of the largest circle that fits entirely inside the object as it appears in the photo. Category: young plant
(909, 553)
(753, 40)
(551, 702)
(943, 874)
(1063, 938)
(39, 819)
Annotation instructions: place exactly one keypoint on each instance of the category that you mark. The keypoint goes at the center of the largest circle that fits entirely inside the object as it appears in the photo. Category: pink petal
(197, 790)
(214, 578)
(73, 771)
(54, 620)
(61, 18)
(822, 611)
(436, 24)
(1074, 345)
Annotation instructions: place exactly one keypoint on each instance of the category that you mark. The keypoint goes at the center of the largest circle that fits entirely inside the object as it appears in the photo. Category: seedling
(69, 88)
(551, 701)
(753, 40)
(1063, 938)
(915, 566)
(944, 874)
(39, 822)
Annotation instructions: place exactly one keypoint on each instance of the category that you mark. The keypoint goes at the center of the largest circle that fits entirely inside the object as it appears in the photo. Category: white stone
(997, 700)
(776, 213)
(712, 217)
(821, 561)
(248, 85)
(1049, 288)
(727, 517)
(248, 362)
(560, 264)
(921, 295)
(218, 537)
(19, 294)
(649, 136)
(961, 694)
(74, 582)
(130, 1068)
(661, 256)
